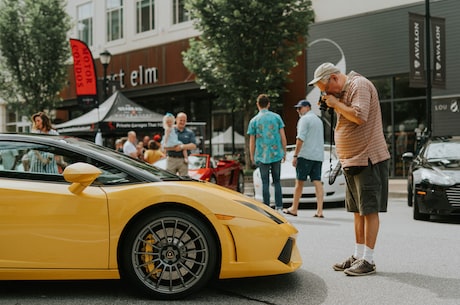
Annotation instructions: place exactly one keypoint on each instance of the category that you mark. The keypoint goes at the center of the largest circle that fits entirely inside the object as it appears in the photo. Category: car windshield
(446, 154)
(447, 150)
(196, 162)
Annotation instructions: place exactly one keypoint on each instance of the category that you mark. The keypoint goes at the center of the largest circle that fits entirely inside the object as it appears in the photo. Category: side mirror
(80, 175)
(408, 156)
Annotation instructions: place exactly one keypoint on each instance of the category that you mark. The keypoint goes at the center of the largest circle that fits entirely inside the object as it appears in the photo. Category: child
(170, 139)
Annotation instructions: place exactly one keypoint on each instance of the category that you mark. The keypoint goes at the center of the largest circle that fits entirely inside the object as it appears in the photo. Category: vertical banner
(438, 37)
(85, 73)
(417, 75)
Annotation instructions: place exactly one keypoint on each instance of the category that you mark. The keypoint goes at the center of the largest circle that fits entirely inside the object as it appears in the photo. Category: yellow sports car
(70, 209)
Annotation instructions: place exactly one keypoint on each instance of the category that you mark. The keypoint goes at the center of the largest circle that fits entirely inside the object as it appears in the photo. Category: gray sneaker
(360, 267)
(345, 264)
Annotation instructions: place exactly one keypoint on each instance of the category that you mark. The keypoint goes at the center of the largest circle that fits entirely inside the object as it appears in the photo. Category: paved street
(418, 263)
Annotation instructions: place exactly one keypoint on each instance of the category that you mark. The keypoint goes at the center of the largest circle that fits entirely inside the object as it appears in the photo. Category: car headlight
(434, 176)
(260, 210)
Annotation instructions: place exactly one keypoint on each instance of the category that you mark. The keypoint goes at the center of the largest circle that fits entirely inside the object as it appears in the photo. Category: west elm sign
(139, 77)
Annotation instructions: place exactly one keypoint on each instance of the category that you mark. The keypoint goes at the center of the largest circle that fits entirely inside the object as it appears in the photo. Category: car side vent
(285, 255)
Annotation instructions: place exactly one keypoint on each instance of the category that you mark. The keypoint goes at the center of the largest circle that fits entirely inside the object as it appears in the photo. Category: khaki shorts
(177, 166)
(367, 188)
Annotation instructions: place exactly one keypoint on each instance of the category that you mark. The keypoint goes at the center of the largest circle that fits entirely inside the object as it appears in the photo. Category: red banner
(85, 73)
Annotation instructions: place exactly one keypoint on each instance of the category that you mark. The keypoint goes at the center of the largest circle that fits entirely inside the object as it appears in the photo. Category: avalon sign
(417, 28)
(417, 77)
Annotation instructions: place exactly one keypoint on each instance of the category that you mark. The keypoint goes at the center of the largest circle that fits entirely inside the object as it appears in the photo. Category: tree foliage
(34, 50)
(246, 48)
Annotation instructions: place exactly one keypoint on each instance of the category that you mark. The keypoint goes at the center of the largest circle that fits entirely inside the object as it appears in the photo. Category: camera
(322, 103)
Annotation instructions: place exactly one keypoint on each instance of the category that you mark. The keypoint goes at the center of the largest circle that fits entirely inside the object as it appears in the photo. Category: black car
(433, 183)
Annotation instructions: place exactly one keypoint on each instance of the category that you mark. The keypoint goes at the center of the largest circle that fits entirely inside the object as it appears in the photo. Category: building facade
(376, 44)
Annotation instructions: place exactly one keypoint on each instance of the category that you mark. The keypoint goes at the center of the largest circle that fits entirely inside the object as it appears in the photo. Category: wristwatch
(295, 156)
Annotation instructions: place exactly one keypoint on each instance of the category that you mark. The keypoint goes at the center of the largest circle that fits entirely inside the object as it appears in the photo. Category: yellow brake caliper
(148, 258)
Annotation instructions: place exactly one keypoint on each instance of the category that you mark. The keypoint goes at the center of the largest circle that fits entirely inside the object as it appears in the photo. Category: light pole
(105, 61)
(104, 57)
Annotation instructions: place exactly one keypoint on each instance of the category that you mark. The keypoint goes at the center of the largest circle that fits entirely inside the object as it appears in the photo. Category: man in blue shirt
(267, 148)
(308, 158)
(175, 162)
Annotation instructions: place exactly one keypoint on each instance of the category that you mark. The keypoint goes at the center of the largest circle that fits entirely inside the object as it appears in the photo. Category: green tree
(246, 47)
(34, 50)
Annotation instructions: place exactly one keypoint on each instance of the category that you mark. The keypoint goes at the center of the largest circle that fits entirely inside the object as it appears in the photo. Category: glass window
(85, 23)
(34, 161)
(145, 12)
(180, 14)
(114, 19)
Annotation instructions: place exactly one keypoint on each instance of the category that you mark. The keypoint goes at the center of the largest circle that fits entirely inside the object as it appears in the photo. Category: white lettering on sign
(142, 76)
(440, 107)
(417, 40)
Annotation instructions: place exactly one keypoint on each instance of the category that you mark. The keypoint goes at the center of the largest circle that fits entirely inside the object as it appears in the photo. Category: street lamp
(105, 57)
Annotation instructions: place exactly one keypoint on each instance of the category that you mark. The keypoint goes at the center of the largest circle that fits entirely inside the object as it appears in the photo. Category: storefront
(155, 78)
(377, 46)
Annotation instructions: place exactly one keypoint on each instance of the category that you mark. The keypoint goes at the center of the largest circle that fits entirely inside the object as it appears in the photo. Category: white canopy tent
(224, 140)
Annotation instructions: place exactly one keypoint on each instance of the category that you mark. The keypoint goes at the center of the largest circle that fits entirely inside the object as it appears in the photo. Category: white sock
(359, 251)
(368, 254)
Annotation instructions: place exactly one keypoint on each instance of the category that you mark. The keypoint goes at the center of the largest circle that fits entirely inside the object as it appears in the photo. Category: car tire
(410, 195)
(168, 255)
(418, 215)
(240, 187)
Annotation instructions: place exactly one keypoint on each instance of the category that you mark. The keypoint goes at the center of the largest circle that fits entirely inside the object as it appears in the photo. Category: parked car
(99, 214)
(433, 181)
(227, 173)
(334, 193)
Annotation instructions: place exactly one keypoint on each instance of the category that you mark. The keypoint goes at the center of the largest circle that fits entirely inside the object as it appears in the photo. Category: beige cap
(323, 71)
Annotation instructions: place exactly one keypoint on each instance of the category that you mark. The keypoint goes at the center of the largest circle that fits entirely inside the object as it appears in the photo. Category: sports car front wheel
(168, 255)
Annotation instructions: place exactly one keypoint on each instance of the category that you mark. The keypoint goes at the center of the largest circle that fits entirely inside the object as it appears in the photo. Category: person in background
(119, 145)
(363, 152)
(308, 156)
(43, 161)
(129, 148)
(9, 158)
(41, 123)
(145, 141)
(140, 150)
(175, 160)
(267, 148)
(153, 153)
(170, 139)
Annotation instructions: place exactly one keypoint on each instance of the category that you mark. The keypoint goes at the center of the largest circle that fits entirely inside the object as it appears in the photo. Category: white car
(334, 193)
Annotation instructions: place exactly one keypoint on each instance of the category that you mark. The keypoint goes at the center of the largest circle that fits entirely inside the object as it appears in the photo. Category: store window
(145, 13)
(403, 118)
(180, 14)
(85, 23)
(114, 14)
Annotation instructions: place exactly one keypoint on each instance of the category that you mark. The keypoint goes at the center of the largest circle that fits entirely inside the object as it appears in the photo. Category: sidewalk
(397, 188)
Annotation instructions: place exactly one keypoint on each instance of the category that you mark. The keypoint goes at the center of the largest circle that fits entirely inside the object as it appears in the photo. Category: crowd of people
(175, 144)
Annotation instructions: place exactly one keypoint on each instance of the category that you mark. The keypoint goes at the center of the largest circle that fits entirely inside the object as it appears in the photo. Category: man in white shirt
(129, 148)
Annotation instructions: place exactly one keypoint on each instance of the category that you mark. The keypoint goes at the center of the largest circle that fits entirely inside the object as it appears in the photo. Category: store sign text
(139, 77)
